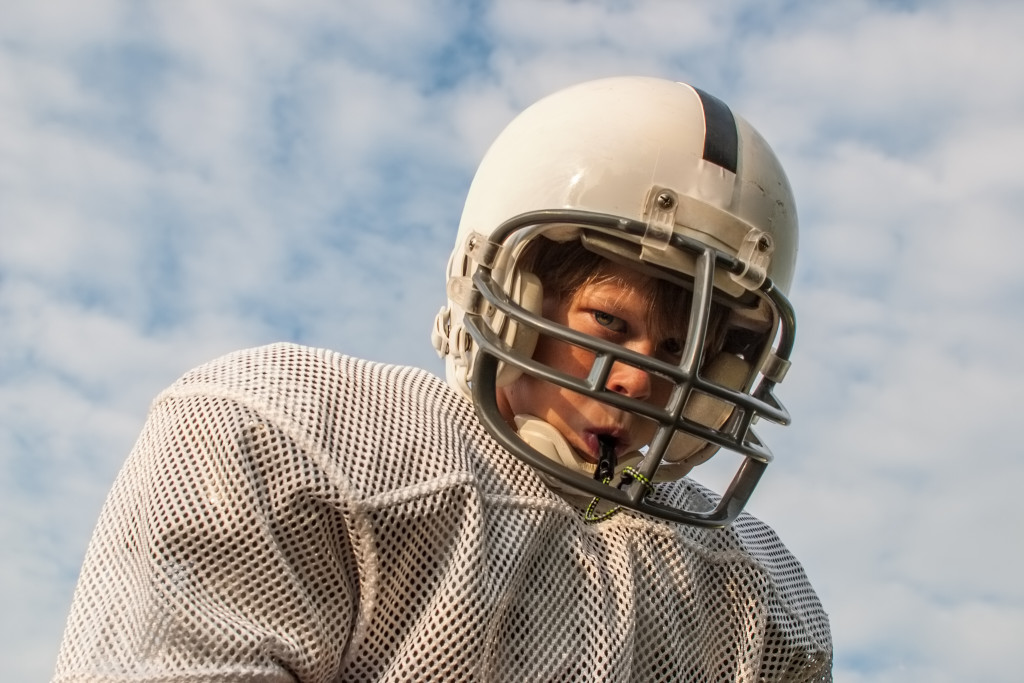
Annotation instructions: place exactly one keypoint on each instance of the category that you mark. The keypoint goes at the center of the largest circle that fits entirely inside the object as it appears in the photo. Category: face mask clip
(755, 254)
(660, 215)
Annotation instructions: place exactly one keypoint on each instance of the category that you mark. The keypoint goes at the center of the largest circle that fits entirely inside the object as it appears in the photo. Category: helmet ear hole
(527, 291)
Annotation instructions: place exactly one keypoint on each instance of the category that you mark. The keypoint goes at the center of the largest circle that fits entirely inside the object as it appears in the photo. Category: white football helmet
(663, 177)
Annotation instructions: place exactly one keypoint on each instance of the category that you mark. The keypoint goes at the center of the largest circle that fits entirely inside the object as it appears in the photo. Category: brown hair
(566, 267)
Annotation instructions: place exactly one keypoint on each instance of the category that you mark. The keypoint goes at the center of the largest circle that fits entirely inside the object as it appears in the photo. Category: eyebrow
(617, 295)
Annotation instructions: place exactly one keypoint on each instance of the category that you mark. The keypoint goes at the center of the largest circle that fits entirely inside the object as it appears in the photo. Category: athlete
(616, 315)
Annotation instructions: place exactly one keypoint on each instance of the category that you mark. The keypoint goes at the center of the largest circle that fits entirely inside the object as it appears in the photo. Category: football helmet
(663, 177)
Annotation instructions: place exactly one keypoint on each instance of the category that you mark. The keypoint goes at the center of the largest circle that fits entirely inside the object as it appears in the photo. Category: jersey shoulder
(386, 427)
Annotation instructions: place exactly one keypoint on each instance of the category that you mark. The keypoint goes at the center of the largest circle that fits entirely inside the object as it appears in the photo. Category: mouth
(595, 439)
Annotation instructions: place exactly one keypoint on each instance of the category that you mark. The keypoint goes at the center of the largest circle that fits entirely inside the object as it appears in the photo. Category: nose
(629, 381)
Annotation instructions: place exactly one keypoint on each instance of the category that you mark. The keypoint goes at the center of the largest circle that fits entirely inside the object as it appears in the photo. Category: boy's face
(616, 307)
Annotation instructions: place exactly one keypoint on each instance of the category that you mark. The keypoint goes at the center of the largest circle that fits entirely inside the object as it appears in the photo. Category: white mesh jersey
(291, 514)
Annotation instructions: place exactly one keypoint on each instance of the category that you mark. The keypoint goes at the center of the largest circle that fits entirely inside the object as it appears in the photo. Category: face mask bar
(736, 435)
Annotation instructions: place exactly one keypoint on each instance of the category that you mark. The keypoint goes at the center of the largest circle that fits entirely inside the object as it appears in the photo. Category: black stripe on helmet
(721, 141)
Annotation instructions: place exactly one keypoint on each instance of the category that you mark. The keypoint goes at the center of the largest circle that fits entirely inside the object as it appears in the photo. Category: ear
(687, 451)
(527, 291)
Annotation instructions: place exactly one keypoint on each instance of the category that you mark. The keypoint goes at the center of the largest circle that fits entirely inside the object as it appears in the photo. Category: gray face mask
(710, 406)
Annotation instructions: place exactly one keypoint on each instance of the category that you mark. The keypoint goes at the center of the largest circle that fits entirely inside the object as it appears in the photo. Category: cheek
(563, 357)
(661, 389)
(530, 395)
(578, 362)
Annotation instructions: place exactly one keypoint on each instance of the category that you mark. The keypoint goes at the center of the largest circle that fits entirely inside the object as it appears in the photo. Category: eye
(610, 321)
(672, 347)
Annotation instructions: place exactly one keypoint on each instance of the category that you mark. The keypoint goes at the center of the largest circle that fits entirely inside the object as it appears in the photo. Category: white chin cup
(541, 436)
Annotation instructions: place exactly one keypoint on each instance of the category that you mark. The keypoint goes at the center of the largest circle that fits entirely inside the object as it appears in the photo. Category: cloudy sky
(181, 179)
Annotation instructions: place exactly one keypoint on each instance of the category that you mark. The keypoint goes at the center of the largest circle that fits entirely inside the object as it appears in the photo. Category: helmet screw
(665, 201)
(764, 243)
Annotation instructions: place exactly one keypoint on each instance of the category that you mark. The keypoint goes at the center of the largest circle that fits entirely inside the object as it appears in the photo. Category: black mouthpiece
(605, 458)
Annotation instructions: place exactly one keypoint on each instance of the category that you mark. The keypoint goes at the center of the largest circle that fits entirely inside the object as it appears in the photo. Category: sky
(179, 180)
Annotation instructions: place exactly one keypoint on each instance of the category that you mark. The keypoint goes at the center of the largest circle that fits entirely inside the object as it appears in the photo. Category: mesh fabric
(291, 514)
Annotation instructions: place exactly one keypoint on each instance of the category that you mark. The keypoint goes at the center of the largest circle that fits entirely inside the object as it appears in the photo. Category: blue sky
(178, 180)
